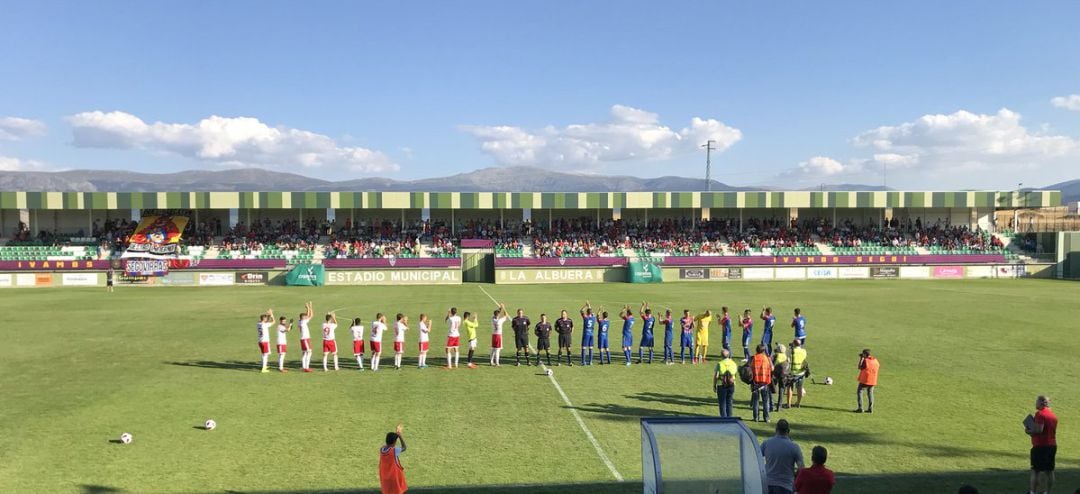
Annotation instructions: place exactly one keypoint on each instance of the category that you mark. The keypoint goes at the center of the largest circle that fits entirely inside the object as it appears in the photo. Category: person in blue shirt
(747, 333)
(602, 338)
(588, 323)
(725, 327)
(627, 316)
(799, 323)
(648, 322)
(766, 334)
(669, 334)
(686, 339)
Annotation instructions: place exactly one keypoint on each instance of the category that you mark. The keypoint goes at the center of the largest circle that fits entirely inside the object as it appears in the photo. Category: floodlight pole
(708, 163)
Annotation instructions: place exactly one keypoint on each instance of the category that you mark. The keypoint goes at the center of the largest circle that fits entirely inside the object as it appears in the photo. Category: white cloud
(239, 141)
(17, 129)
(12, 164)
(1070, 102)
(631, 134)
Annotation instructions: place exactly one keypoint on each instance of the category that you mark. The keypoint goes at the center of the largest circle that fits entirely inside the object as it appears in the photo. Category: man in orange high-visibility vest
(868, 373)
(391, 473)
(760, 397)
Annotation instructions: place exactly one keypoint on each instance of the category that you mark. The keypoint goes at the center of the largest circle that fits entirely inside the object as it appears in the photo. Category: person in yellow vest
(391, 473)
(799, 371)
(781, 371)
(724, 378)
(701, 336)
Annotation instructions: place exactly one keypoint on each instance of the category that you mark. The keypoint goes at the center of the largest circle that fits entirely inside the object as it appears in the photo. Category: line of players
(693, 336)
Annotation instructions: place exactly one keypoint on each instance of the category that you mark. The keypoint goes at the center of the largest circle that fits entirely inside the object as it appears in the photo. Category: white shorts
(472, 344)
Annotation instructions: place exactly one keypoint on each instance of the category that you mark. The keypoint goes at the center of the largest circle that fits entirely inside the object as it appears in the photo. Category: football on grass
(550, 372)
(210, 425)
(125, 438)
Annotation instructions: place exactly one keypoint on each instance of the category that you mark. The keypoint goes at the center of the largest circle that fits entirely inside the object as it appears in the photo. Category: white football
(210, 425)
(125, 438)
(828, 380)
(550, 372)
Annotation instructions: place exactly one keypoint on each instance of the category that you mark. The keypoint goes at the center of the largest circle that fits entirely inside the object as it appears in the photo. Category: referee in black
(521, 324)
(543, 339)
(565, 327)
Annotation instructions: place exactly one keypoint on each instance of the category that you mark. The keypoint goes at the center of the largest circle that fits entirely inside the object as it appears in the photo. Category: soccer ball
(210, 425)
(828, 380)
(550, 372)
(125, 438)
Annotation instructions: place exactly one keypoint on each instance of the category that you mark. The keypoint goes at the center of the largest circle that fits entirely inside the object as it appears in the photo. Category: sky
(912, 95)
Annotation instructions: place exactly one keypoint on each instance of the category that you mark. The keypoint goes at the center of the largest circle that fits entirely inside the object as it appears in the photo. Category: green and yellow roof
(519, 200)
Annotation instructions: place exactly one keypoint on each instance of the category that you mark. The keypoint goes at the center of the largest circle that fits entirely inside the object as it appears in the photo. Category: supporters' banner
(306, 275)
(156, 237)
(146, 267)
(644, 272)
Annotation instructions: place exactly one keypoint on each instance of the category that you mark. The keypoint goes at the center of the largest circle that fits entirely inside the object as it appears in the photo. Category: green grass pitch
(962, 362)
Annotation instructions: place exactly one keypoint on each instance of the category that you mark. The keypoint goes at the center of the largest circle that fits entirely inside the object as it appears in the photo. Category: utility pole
(708, 163)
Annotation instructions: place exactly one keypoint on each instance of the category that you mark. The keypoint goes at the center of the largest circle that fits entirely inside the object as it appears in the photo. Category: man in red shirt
(817, 479)
(1043, 446)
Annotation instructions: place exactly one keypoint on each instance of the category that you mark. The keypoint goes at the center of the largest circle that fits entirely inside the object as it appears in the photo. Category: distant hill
(509, 179)
(1070, 191)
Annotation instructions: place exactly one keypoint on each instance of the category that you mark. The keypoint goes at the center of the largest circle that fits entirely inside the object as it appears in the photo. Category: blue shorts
(687, 340)
(627, 340)
(647, 342)
(602, 341)
(667, 340)
(586, 339)
(746, 337)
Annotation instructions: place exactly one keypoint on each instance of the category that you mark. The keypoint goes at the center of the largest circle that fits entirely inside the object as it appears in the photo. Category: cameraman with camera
(868, 374)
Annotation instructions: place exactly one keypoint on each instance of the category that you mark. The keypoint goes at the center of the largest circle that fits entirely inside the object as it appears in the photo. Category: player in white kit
(378, 326)
(282, 342)
(425, 337)
(498, 319)
(400, 327)
(357, 330)
(453, 337)
(329, 343)
(266, 321)
(305, 337)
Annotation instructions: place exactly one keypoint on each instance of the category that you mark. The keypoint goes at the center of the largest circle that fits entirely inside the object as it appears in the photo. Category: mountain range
(502, 179)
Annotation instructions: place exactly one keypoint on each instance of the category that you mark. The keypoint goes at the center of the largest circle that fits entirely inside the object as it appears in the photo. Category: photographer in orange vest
(391, 473)
(868, 372)
(760, 398)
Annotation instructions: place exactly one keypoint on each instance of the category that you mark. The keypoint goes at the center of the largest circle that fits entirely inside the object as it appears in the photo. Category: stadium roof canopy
(526, 200)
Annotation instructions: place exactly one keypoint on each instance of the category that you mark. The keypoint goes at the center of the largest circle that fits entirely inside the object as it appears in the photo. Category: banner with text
(644, 272)
(156, 237)
(395, 277)
(306, 275)
(564, 275)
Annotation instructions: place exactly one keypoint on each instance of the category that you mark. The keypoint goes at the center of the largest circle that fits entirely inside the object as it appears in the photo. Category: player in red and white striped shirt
(329, 344)
(378, 326)
(425, 337)
(357, 330)
(266, 321)
(400, 327)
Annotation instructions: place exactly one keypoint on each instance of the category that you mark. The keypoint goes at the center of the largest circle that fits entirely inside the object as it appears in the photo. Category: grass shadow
(672, 399)
(99, 489)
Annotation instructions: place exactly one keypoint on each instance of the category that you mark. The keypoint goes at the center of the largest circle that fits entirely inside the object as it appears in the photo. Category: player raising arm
(498, 319)
(453, 336)
(329, 343)
(747, 334)
(265, 321)
(686, 337)
(627, 316)
(357, 330)
(725, 329)
(282, 342)
(471, 324)
(669, 335)
(305, 337)
(648, 323)
(588, 325)
(378, 327)
(766, 333)
(701, 349)
(602, 340)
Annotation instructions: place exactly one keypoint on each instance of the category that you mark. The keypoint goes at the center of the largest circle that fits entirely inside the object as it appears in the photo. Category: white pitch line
(573, 411)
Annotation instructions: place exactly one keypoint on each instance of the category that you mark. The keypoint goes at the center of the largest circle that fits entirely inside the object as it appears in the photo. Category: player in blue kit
(747, 333)
(766, 334)
(669, 330)
(588, 326)
(602, 338)
(627, 316)
(799, 323)
(648, 323)
(725, 327)
(686, 340)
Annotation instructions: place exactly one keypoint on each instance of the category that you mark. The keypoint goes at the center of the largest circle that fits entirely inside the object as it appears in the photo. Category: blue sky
(941, 94)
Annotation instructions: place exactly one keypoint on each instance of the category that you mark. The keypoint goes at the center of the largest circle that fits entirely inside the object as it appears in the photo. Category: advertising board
(395, 277)
(914, 272)
(978, 271)
(821, 273)
(24, 279)
(178, 278)
(564, 275)
(949, 272)
(791, 273)
(6, 279)
(125, 279)
(216, 279)
(252, 277)
(79, 279)
(853, 272)
(880, 272)
(757, 273)
(694, 273)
